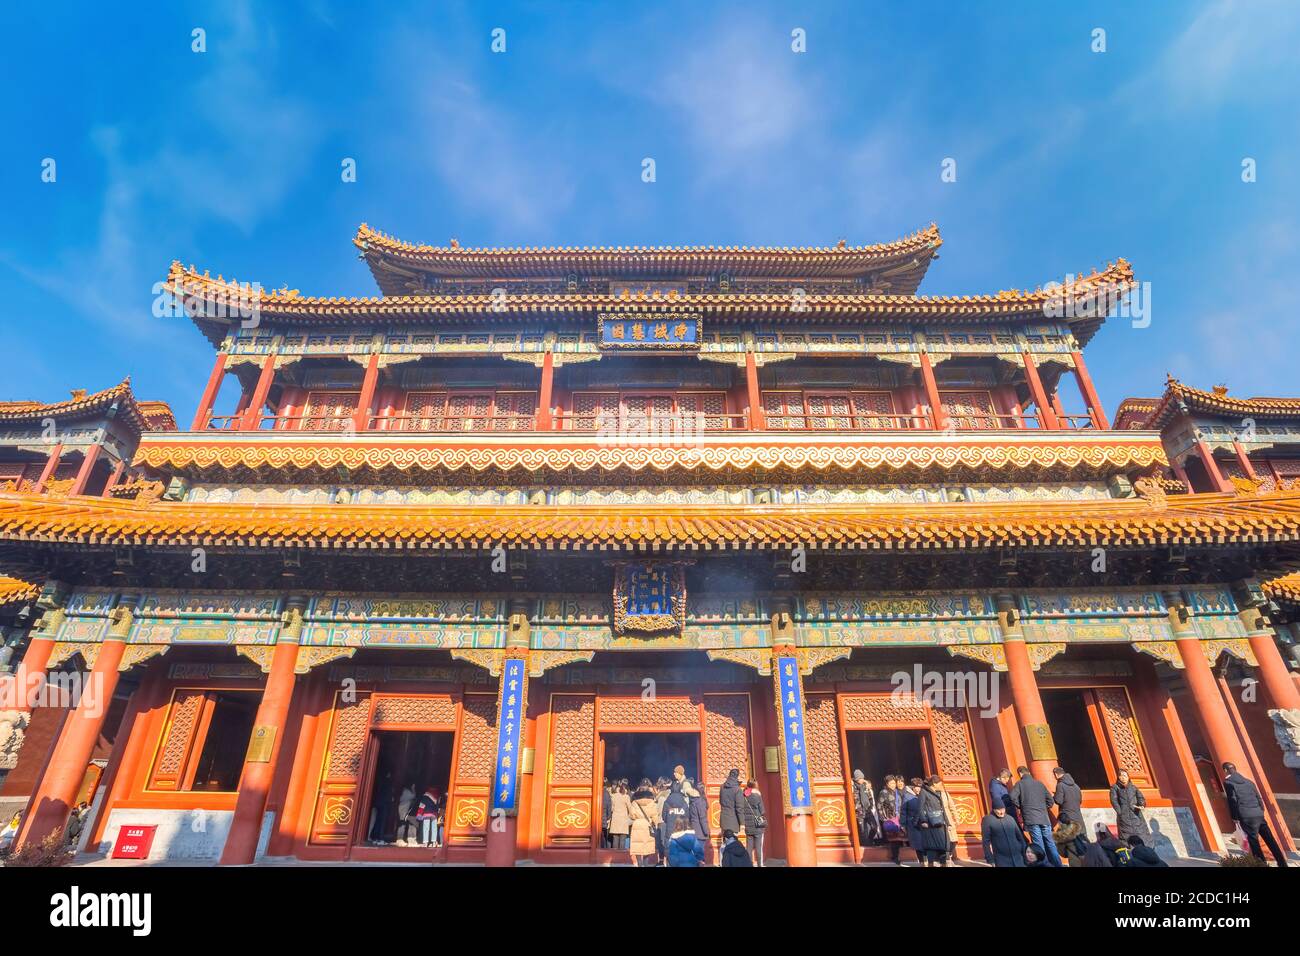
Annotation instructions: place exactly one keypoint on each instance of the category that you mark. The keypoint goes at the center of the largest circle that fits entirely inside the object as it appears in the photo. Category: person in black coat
(755, 817)
(730, 800)
(1000, 793)
(1142, 856)
(676, 807)
(733, 851)
(1247, 807)
(864, 810)
(698, 813)
(1128, 802)
(1004, 841)
(1034, 802)
(1069, 803)
(910, 795)
(931, 824)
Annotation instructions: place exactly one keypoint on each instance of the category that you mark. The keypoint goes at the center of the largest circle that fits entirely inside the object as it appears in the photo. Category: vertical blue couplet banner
(510, 735)
(796, 759)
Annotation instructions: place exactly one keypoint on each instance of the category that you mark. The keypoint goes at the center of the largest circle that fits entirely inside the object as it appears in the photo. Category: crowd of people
(666, 823)
(1019, 829)
(420, 818)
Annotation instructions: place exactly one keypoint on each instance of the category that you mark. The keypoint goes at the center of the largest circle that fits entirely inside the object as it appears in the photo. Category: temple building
(533, 519)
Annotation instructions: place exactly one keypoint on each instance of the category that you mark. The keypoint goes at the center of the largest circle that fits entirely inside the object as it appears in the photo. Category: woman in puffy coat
(644, 815)
(931, 824)
(889, 811)
(620, 816)
(683, 848)
(1128, 802)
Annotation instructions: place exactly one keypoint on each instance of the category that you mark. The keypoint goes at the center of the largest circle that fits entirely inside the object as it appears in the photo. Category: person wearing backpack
(755, 815)
(683, 848)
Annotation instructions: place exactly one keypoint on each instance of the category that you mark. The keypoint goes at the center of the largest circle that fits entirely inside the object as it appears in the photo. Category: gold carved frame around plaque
(650, 624)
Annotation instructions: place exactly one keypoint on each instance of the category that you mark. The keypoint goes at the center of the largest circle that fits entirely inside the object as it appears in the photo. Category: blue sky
(230, 159)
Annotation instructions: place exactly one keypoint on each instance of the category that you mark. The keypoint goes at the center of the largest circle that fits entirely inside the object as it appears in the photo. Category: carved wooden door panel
(832, 811)
(728, 744)
(783, 410)
(466, 813)
(426, 412)
(330, 411)
(335, 814)
(571, 772)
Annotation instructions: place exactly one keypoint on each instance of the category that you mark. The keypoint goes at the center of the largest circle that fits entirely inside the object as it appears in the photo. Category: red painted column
(1244, 460)
(1181, 474)
(1034, 734)
(30, 674)
(757, 421)
(209, 398)
(1273, 672)
(84, 473)
(366, 401)
(259, 763)
(503, 824)
(253, 414)
(57, 790)
(938, 417)
(1029, 709)
(1213, 716)
(1089, 392)
(51, 465)
(1212, 468)
(1046, 417)
(544, 395)
(800, 832)
(115, 477)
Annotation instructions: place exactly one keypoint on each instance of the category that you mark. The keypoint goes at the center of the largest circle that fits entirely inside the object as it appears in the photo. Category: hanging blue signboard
(510, 735)
(663, 330)
(796, 760)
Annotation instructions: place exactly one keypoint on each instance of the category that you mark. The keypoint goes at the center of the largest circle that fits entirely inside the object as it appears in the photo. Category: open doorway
(407, 764)
(1077, 750)
(636, 756)
(879, 753)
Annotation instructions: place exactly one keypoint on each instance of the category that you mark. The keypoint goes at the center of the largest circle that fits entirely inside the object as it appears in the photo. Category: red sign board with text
(133, 842)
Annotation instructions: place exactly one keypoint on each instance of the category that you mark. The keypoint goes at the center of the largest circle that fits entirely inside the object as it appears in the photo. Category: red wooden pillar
(1273, 672)
(1244, 460)
(115, 477)
(1059, 410)
(800, 830)
(1212, 467)
(366, 402)
(938, 417)
(253, 414)
(51, 464)
(264, 748)
(209, 398)
(544, 395)
(1181, 474)
(1046, 417)
(85, 471)
(1089, 392)
(512, 713)
(1029, 709)
(57, 790)
(30, 674)
(1210, 711)
(757, 421)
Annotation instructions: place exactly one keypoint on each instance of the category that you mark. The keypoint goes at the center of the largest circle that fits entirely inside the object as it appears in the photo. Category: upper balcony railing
(632, 424)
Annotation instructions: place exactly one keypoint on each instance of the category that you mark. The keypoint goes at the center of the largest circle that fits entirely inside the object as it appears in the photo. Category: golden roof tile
(1178, 520)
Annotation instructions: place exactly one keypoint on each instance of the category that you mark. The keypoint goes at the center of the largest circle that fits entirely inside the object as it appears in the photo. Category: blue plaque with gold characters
(510, 736)
(649, 596)
(798, 781)
(649, 331)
